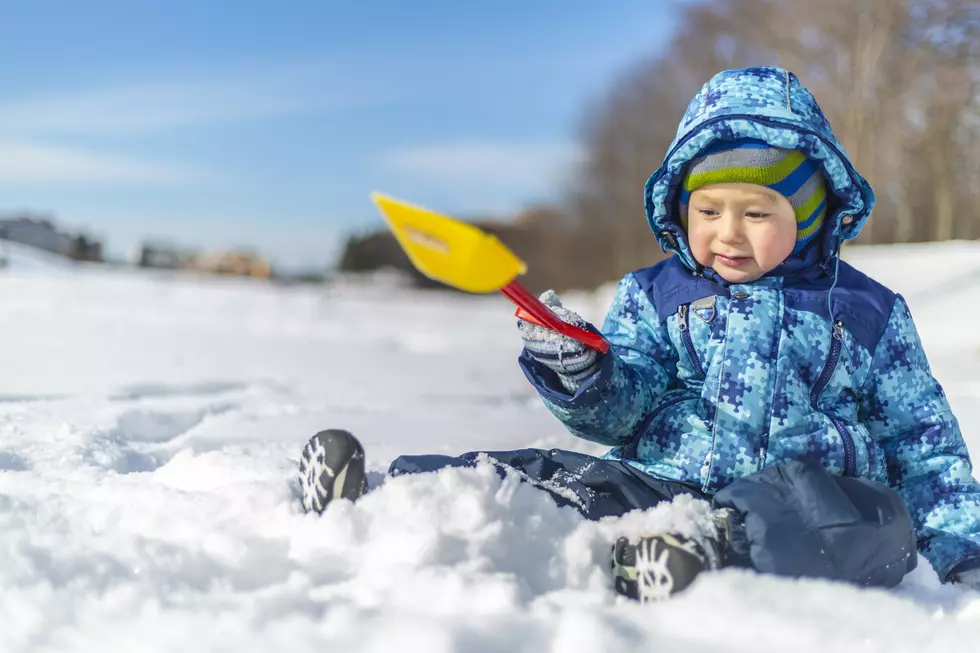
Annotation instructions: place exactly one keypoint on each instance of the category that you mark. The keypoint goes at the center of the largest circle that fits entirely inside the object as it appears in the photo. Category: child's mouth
(733, 261)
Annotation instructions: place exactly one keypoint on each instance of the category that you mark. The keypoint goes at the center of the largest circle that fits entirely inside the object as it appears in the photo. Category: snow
(150, 426)
(25, 259)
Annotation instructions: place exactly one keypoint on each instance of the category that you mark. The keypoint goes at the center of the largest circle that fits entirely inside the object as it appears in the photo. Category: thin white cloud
(23, 163)
(521, 168)
(161, 104)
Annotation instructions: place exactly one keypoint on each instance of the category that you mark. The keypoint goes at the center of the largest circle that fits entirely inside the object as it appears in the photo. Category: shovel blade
(449, 251)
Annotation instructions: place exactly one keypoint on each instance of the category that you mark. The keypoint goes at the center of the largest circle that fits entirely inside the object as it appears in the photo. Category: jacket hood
(771, 105)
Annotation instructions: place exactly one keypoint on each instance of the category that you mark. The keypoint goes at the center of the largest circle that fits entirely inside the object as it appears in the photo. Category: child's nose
(730, 229)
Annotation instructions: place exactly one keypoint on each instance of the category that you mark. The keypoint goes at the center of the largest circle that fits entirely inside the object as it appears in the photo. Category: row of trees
(899, 81)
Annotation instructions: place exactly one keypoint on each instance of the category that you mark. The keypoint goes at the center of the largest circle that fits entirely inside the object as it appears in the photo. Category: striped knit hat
(788, 172)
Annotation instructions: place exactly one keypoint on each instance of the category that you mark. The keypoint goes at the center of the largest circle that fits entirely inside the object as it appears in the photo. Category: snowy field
(150, 426)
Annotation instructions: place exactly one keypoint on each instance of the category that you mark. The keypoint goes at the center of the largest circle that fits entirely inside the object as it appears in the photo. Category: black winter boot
(658, 566)
(331, 467)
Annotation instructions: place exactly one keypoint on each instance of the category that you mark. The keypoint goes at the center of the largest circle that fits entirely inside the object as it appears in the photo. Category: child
(753, 369)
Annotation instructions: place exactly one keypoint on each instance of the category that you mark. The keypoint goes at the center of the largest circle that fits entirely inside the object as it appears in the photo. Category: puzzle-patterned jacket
(708, 381)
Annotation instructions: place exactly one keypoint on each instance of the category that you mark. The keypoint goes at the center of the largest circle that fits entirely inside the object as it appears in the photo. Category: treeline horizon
(899, 81)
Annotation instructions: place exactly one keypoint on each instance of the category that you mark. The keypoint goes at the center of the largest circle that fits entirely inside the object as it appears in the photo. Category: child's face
(741, 231)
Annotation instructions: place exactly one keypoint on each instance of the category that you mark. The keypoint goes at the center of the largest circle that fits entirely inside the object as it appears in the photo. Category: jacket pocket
(643, 430)
(875, 468)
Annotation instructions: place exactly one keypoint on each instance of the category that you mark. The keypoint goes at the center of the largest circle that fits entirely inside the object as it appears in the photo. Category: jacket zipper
(836, 343)
(849, 462)
(688, 342)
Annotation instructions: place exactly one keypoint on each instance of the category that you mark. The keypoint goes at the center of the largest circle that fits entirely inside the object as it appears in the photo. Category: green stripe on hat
(764, 175)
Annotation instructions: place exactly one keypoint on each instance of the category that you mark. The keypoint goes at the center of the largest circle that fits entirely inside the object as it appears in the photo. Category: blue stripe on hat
(803, 226)
(803, 242)
(795, 180)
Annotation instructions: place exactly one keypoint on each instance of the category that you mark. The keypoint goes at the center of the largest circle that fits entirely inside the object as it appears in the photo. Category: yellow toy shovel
(466, 258)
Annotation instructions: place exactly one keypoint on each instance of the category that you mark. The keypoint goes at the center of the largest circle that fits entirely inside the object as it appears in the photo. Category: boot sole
(331, 467)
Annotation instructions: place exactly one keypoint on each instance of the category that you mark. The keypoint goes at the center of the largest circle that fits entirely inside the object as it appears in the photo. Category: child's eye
(757, 215)
(708, 213)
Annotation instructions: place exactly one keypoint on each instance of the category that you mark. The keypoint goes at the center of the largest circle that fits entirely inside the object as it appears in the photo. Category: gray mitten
(571, 360)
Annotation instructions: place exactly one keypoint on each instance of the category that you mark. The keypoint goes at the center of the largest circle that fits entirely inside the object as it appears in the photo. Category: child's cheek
(700, 242)
(773, 244)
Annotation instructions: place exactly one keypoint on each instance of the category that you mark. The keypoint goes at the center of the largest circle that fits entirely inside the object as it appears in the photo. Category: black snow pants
(793, 519)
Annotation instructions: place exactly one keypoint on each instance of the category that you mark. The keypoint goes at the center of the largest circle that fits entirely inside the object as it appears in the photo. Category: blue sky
(220, 123)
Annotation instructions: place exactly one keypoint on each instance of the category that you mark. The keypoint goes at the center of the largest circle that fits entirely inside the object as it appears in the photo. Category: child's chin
(737, 276)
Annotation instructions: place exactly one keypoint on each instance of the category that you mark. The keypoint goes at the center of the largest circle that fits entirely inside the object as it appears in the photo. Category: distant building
(241, 264)
(84, 248)
(166, 256)
(158, 255)
(36, 232)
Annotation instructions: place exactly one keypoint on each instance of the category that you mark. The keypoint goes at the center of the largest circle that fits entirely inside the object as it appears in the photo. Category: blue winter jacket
(708, 381)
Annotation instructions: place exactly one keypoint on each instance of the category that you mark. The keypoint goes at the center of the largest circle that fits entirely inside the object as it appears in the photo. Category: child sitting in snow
(752, 369)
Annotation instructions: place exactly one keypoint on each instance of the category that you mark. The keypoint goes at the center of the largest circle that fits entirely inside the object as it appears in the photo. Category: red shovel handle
(530, 308)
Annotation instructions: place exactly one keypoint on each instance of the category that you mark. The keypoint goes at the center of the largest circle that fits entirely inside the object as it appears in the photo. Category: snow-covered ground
(149, 431)
(27, 260)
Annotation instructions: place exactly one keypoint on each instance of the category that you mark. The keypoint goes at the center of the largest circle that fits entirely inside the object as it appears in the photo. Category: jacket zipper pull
(839, 330)
(682, 317)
